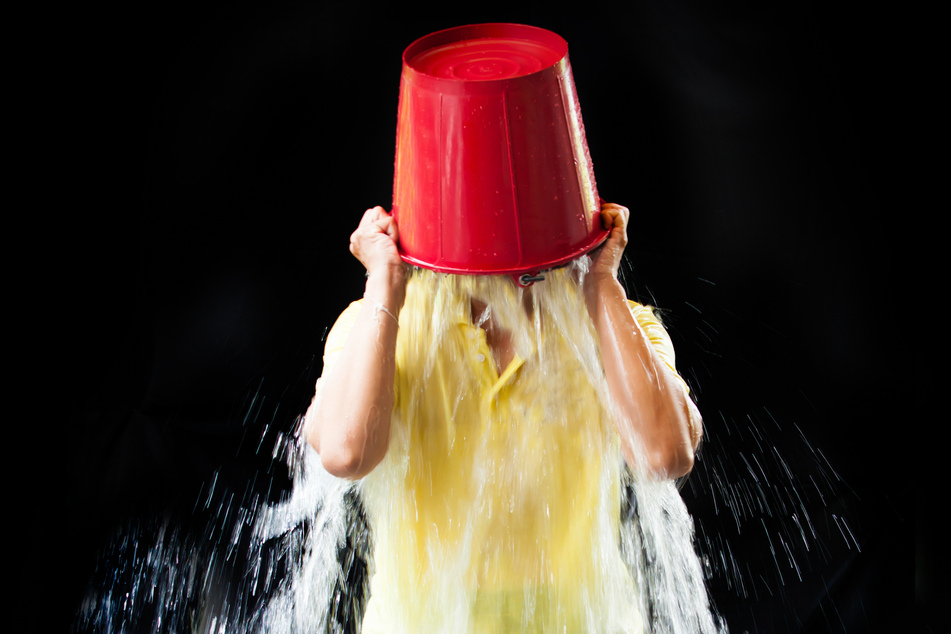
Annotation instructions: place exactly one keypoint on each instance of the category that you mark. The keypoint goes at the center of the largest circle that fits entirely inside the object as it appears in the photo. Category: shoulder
(655, 331)
(645, 316)
(341, 329)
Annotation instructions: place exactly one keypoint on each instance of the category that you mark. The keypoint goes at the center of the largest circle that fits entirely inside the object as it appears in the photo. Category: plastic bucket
(493, 174)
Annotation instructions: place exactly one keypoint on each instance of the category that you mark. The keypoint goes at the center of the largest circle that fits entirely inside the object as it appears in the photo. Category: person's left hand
(606, 259)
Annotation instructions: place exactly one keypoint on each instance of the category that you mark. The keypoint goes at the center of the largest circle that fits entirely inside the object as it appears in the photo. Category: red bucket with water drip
(493, 174)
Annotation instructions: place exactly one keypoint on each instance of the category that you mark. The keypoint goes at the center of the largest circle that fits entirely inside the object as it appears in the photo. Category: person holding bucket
(494, 385)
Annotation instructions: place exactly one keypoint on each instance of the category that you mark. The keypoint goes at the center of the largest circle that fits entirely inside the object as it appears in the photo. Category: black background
(207, 163)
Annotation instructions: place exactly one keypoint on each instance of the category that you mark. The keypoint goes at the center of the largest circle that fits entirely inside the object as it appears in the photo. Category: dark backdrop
(212, 160)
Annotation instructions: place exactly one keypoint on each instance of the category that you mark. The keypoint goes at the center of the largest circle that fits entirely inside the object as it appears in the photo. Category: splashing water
(775, 522)
(298, 566)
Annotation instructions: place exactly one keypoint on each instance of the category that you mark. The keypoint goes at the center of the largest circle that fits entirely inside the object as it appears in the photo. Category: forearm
(351, 423)
(657, 422)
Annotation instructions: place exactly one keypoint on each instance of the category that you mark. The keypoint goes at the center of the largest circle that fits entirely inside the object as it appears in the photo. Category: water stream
(301, 566)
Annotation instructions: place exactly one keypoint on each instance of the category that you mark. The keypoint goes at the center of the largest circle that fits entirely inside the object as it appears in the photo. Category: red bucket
(493, 174)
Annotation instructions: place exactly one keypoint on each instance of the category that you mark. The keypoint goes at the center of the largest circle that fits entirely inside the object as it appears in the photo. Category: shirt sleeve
(337, 337)
(657, 335)
(332, 349)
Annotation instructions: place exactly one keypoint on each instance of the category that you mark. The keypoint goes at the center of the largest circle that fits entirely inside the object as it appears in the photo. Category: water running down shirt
(497, 506)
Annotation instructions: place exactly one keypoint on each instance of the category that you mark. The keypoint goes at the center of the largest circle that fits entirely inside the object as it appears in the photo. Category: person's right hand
(374, 241)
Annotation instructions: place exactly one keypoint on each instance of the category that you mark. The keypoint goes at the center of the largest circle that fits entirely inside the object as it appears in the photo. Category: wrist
(387, 285)
(600, 282)
(602, 287)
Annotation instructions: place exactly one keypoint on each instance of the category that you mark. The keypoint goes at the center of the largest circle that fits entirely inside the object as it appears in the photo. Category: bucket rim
(595, 240)
(476, 31)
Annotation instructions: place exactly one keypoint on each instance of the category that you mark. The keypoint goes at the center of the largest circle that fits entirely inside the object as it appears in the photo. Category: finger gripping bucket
(492, 172)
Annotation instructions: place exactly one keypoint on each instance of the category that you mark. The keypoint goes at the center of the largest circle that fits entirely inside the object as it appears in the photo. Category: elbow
(679, 463)
(351, 459)
(664, 462)
(671, 463)
(672, 455)
(349, 465)
(342, 455)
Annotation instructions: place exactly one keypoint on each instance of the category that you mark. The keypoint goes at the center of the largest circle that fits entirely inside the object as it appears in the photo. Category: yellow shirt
(496, 508)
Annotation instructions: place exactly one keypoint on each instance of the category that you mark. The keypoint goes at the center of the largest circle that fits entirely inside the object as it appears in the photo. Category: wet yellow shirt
(496, 508)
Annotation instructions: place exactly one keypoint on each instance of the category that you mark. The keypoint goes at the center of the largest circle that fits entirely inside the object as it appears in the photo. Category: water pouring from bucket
(490, 426)
(493, 433)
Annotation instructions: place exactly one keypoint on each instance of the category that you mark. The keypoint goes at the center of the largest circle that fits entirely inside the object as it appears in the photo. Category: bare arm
(349, 425)
(658, 422)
